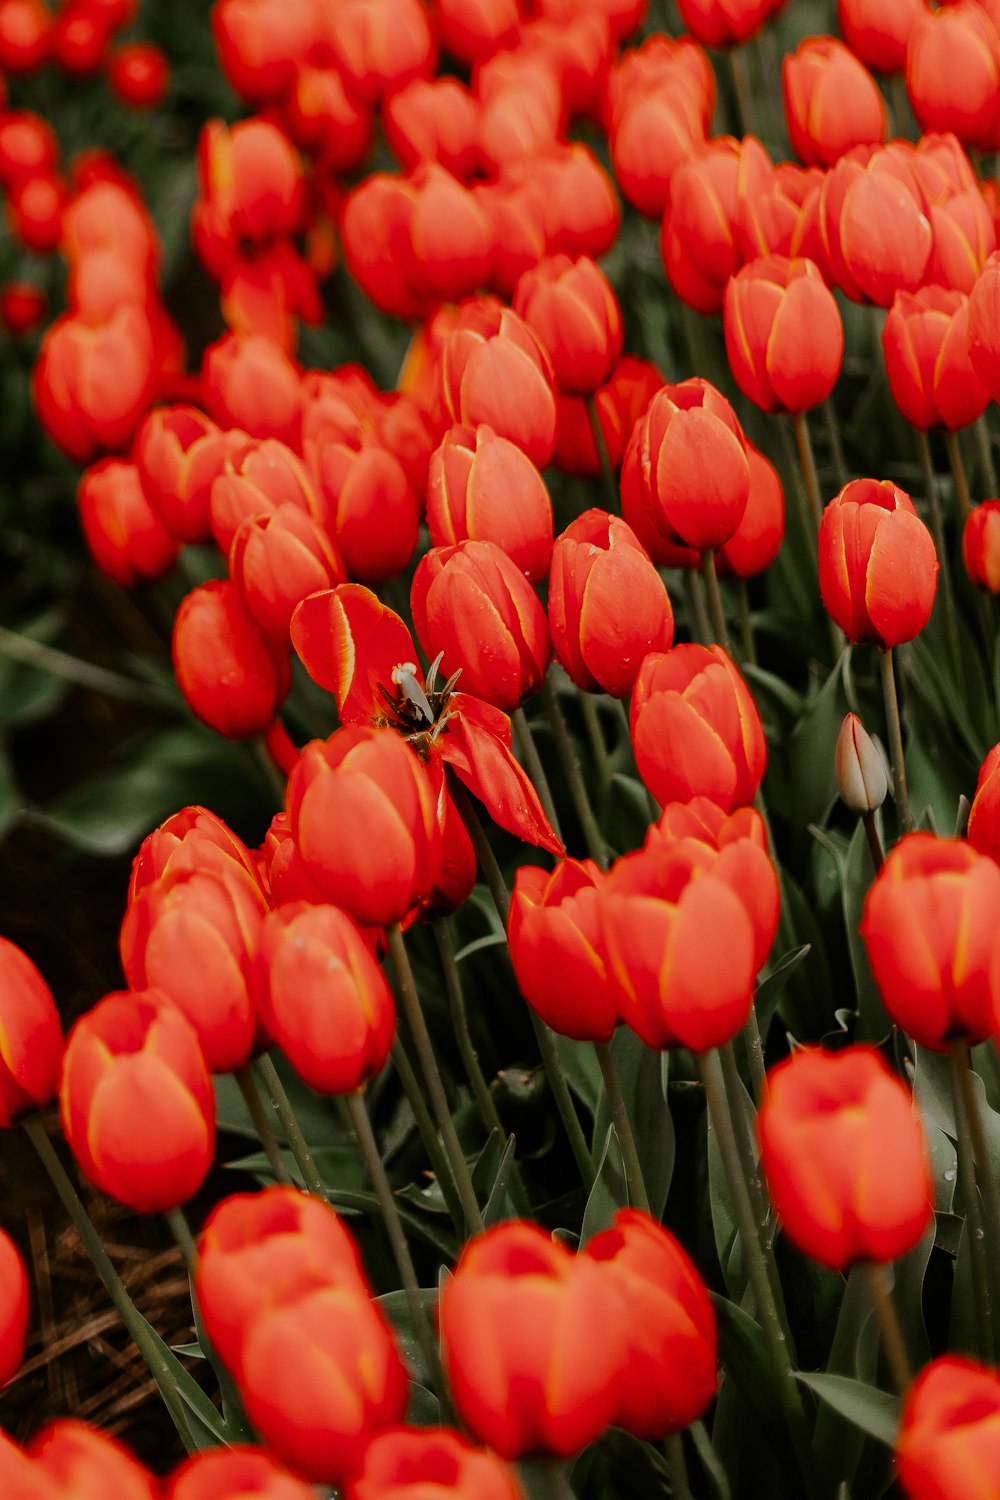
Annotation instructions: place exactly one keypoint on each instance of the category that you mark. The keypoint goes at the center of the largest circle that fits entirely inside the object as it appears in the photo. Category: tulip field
(499, 750)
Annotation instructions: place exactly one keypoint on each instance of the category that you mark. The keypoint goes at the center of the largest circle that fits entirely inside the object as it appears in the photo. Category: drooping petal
(476, 744)
(349, 643)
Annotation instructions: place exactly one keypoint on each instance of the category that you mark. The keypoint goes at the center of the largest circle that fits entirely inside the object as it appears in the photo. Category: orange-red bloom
(925, 338)
(231, 675)
(232, 1472)
(784, 337)
(699, 239)
(556, 948)
(278, 560)
(482, 486)
(91, 385)
(179, 452)
(832, 102)
(757, 540)
(877, 237)
(68, 1459)
(494, 370)
(406, 1463)
(31, 1044)
(126, 537)
(947, 1439)
(879, 30)
(845, 1157)
(984, 325)
(983, 828)
(877, 563)
(572, 308)
(13, 1308)
(953, 73)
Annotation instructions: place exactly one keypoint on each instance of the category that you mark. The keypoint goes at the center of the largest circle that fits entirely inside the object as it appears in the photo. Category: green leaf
(208, 1427)
(872, 1411)
(744, 1353)
(609, 1193)
(583, 1072)
(397, 1310)
(316, 1114)
(626, 814)
(498, 1204)
(811, 745)
(643, 1085)
(727, 1240)
(768, 991)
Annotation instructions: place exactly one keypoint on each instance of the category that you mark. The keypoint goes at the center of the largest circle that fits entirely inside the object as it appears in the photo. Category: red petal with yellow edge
(349, 642)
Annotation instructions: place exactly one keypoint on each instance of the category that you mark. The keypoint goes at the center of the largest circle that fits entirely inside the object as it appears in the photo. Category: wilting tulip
(877, 564)
(557, 950)
(695, 728)
(929, 932)
(608, 606)
(947, 1432)
(483, 487)
(832, 102)
(953, 73)
(556, 1328)
(494, 370)
(136, 1101)
(31, 1044)
(126, 537)
(323, 997)
(784, 336)
(471, 603)
(572, 309)
(925, 338)
(231, 675)
(670, 1368)
(845, 1157)
(406, 1463)
(228, 1473)
(13, 1308)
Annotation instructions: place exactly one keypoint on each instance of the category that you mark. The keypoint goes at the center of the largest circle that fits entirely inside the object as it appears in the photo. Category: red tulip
(832, 102)
(877, 564)
(784, 336)
(925, 338)
(557, 949)
(947, 1431)
(31, 1044)
(231, 675)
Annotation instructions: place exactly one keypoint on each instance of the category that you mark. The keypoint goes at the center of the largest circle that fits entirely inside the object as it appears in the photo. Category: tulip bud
(494, 370)
(925, 339)
(861, 775)
(832, 102)
(251, 383)
(947, 1428)
(482, 486)
(232, 676)
(878, 30)
(256, 478)
(984, 325)
(92, 385)
(136, 1101)
(556, 948)
(877, 564)
(953, 74)
(179, 452)
(877, 237)
(408, 1461)
(572, 309)
(126, 537)
(698, 239)
(31, 1044)
(757, 540)
(784, 336)
(277, 561)
(234, 1473)
(13, 1308)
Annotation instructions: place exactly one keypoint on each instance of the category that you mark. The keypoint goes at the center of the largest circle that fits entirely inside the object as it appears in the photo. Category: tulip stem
(954, 453)
(280, 1103)
(694, 605)
(595, 734)
(985, 1176)
(413, 1012)
(745, 114)
(357, 1108)
(634, 1180)
(261, 1123)
(534, 767)
(561, 1095)
(736, 1101)
(720, 631)
(807, 459)
(607, 472)
(428, 1133)
(874, 842)
(937, 528)
(574, 777)
(836, 446)
(183, 1238)
(768, 1316)
(673, 1452)
(113, 1284)
(984, 451)
(970, 1196)
(748, 647)
(890, 1333)
(899, 792)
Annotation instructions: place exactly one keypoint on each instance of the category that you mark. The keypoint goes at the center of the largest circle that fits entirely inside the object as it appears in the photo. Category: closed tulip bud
(723, 23)
(522, 111)
(136, 1101)
(434, 119)
(557, 1337)
(699, 238)
(25, 35)
(929, 932)
(375, 232)
(257, 477)
(482, 487)
(323, 997)
(72, 1459)
(362, 812)
(13, 1308)
(608, 607)
(641, 511)
(251, 179)
(984, 325)
(451, 237)
(79, 42)
(619, 404)
(520, 237)
(233, 678)
(261, 44)
(127, 539)
(845, 1157)
(557, 950)
(953, 74)
(964, 236)
(947, 1431)
(179, 452)
(138, 75)
(572, 308)
(695, 728)
(232, 1474)
(652, 134)
(885, 592)
(408, 1463)
(780, 216)
(757, 540)
(277, 560)
(34, 214)
(193, 839)
(92, 385)
(494, 370)
(983, 829)
(374, 514)
(784, 337)
(693, 463)
(832, 102)
(877, 237)
(193, 934)
(379, 45)
(879, 30)
(669, 1376)
(471, 603)
(582, 211)
(925, 338)
(251, 383)
(31, 1044)
(264, 1249)
(862, 780)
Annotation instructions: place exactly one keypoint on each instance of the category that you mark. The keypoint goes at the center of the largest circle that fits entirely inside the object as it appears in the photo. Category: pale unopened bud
(861, 775)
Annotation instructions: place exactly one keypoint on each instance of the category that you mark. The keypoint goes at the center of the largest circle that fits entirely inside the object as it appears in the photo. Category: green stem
(262, 1124)
(736, 1101)
(720, 632)
(836, 446)
(954, 453)
(710, 1072)
(634, 1179)
(183, 1238)
(86, 674)
(673, 1452)
(566, 750)
(595, 734)
(276, 780)
(984, 452)
(753, 1043)
(113, 1284)
(374, 1166)
(874, 842)
(807, 461)
(607, 472)
(985, 1176)
(899, 791)
(951, 621)
(280, 1103)
(428, 1133)
(890, 1333)
(534, 767)
(748, 647)
(413, 1012)
(694, 604)
(970, 1197)
(561, 1095)
(745, 113)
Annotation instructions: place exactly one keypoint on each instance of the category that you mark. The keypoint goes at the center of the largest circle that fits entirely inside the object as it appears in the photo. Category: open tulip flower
(362, 652)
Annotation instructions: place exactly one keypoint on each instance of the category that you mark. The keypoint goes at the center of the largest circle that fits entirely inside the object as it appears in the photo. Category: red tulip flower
(832, 102)
(13, 1308)
(947, 1439)
(784, 336)
(925, 338)
(31, 1043)
(405, 1463)
(877, 564)
(557, 950)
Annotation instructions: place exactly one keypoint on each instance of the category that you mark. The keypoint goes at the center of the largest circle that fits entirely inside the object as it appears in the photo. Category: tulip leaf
(924, 668)
(643, 1085)
(397, 1310)
(713, 1470)
(768, 991)
(627, 813)
(727, 1240)
(608, 1193)
(498, 1204)
(583, 1073)
(208, 1429)
(812, 777)
(872, 1411)
(744, 1354)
